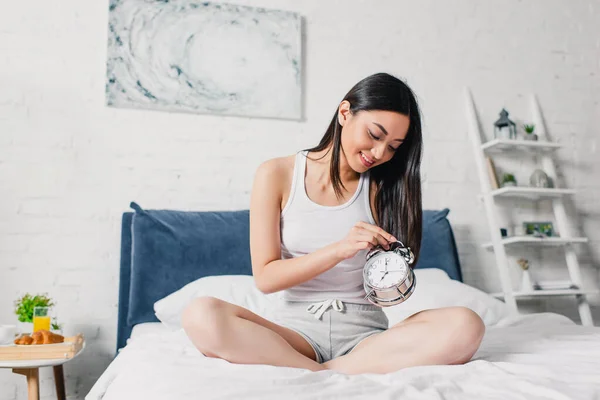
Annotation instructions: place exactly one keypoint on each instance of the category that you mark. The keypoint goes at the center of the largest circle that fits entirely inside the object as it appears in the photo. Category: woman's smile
(367, 162)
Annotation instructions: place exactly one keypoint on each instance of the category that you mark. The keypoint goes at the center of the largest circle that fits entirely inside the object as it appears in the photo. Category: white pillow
(235, 289)
(432, 275)
(434, 290)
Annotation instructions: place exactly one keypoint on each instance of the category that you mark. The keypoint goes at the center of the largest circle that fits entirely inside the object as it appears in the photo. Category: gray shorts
(331, 327)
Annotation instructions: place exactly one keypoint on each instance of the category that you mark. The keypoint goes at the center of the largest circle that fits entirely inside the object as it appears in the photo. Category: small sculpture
(539, 179)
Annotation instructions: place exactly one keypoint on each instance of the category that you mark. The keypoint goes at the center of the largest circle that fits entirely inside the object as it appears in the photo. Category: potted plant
(508, 180)
(529, 135)
(24, 309)
(56, 327)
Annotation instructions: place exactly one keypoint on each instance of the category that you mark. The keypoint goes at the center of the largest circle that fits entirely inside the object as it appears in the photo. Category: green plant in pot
(529, 135)
(24, 309)
(508, 180)
(56, 327)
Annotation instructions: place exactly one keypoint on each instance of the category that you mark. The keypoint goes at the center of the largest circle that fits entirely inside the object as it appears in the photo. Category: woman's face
(370, 138)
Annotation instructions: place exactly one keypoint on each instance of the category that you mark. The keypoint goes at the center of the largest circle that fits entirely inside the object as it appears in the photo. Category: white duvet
(536, 356)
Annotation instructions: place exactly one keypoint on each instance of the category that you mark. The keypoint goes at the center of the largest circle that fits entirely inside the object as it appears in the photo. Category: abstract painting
(210, 58)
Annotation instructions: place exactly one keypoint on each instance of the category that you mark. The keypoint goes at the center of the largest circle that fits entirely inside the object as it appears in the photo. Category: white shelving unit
(498, 145)
(528, 240)
(500, 245)
(531, 193)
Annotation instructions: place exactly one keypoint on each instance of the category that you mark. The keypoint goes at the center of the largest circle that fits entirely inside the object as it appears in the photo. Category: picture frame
(539, 228)
(217, 58)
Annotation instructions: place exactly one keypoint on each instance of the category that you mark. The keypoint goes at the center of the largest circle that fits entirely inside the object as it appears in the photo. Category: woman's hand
(363, 236)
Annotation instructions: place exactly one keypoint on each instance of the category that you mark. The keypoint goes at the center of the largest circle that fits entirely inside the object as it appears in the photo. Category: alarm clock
(387, 275)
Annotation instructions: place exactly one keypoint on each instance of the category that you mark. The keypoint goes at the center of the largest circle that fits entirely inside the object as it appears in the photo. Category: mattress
(536, 356)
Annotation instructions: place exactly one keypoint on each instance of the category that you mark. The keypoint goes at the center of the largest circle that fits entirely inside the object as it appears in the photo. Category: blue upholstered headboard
(163, 250)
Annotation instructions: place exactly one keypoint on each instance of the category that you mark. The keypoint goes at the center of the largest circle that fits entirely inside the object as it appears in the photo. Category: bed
(168, 257)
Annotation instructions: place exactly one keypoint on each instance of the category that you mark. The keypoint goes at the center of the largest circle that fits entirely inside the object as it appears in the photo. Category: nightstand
(30, 369)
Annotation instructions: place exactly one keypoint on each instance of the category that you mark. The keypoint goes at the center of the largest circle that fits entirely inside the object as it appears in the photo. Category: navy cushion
(438, 247)
(173, 248)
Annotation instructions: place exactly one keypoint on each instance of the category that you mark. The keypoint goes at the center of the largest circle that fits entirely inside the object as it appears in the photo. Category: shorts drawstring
(320, 307)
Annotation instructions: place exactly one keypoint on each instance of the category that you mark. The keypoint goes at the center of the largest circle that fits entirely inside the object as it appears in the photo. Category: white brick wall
(69, 166)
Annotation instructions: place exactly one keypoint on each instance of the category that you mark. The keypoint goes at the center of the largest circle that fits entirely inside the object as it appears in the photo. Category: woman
(313, 217)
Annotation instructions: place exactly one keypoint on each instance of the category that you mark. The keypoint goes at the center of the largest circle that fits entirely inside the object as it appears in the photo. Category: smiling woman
(314, 216)
(377, 127)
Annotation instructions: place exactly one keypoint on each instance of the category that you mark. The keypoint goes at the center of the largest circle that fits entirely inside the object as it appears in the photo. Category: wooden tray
(68, 349)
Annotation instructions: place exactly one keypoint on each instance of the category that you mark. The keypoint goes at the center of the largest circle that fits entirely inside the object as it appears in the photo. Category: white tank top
(307, 226)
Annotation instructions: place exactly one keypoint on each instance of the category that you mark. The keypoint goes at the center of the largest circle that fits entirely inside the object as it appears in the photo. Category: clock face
(385, 271)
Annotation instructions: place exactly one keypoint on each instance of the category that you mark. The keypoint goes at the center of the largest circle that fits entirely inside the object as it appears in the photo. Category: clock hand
(372, 290)
(386, 272)
(380, 280)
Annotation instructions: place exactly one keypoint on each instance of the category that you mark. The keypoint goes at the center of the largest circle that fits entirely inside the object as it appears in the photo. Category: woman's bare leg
(223, 330)
(440, 336)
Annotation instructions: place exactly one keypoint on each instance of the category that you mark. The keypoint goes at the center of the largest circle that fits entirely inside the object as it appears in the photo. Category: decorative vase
(509, 183)
(526, 281)
(539, 179)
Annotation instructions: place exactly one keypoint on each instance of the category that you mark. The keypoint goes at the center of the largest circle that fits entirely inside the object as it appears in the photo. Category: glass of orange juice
(41, 318)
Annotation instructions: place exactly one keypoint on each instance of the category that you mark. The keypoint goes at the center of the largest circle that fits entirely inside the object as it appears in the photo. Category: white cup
(7, 334)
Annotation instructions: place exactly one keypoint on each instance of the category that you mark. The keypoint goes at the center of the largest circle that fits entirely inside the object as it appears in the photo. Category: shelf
(498, 145)
(554, 292)
(549, 241)
(531, 192)
(542, 152)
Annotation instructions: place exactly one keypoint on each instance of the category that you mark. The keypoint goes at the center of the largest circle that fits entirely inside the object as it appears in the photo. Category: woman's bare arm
(271, 273)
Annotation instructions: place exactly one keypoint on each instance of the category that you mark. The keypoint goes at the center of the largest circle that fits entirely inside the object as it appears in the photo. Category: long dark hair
(398, 198)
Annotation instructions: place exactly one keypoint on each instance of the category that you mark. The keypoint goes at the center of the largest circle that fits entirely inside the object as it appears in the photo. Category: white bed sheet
(536, 356)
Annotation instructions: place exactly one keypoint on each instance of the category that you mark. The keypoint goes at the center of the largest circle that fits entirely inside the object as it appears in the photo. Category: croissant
(40, 337)
(46, 337)
(25, 339)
